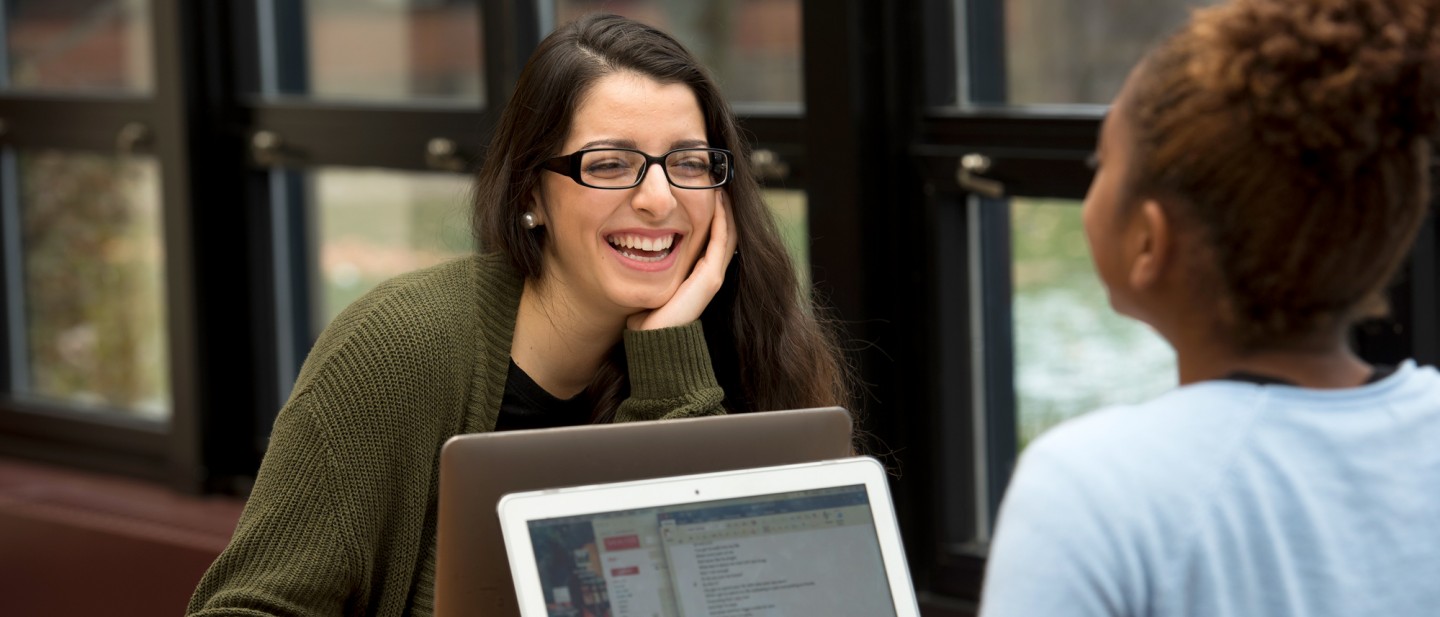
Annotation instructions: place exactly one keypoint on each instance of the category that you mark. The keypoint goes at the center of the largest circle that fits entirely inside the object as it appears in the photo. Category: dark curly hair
(768, 344)
(1295, 137)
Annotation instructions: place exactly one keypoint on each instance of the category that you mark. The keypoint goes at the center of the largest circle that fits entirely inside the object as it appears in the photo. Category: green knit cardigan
(342, 517)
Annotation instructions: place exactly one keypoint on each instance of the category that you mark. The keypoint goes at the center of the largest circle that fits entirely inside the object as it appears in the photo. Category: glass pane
(751, 46)
(84, 45)
(94, 284)
(1073, 354)
(386, 50)
(789, 208)
(375, 224)
(1079, 51)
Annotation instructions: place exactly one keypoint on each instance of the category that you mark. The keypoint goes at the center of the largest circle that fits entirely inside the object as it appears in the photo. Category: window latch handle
(442, 154)
(768, 166)
(969, 178)
(131, 137)
(267, 148)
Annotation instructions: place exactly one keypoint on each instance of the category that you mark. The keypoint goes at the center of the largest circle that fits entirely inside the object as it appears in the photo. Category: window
(99, 331)
(1080, 51)
(372, 225)
(368, 116)
(190, 191)
(1073, 354)
(92, 272)
(1047, 52)
(376, 51)
(77, 46)
(1049, 346)
(751, 46)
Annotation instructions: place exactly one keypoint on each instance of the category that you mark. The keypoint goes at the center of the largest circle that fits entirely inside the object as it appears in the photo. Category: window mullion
(985, 80)
(16, 367)
(176, 80)
(511, 32)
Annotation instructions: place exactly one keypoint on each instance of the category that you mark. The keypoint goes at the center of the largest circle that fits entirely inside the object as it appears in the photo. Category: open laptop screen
(812, 552)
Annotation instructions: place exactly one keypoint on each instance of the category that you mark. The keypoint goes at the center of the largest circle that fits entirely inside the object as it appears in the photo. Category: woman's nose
(654, 196)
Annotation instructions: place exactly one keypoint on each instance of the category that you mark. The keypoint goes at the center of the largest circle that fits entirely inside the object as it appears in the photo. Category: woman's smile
(645, 250)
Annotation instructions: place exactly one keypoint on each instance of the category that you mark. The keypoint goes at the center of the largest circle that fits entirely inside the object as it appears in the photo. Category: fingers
(637, 321)
(723, 239)
(704, 281)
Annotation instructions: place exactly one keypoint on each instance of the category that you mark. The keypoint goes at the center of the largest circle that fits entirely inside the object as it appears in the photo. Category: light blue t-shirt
(1230, 499)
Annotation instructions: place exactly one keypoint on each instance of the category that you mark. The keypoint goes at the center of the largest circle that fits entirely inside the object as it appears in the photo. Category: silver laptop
(796, 540)
(472, 574)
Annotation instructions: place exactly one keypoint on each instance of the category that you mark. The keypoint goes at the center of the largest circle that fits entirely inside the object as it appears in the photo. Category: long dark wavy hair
(770, 347)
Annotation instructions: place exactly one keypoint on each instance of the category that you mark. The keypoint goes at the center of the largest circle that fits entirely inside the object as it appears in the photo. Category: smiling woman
(603, 256)
(608, 290)
(612, 85)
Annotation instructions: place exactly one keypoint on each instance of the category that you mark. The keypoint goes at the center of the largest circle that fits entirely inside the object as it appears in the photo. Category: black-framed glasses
(623, 168)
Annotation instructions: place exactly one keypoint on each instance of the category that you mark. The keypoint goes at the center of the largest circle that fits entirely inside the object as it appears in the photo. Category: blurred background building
(190, 191)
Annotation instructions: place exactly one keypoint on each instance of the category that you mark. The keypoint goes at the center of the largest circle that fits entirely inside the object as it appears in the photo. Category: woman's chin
(639, 302)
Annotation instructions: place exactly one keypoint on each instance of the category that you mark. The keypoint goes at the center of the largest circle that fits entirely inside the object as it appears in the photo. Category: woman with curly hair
(1261, 176)
(629, 271)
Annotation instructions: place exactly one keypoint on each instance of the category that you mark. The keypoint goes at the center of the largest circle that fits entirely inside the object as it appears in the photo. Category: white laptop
(807, 539)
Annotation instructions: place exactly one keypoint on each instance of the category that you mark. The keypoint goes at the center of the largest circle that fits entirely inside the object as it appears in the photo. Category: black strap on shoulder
(1256, 378)
(1380, 371)
(1377, 373)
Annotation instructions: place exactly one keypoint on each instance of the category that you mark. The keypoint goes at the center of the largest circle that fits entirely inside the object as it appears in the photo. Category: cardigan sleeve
(670, 375)
(341, 518)
(339, 521)
(291, 553)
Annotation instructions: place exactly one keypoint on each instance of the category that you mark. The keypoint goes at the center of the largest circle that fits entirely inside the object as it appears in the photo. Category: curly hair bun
(1295, 136)
(1348, 77)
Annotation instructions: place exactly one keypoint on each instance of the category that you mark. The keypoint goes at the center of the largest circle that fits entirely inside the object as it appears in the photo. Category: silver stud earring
(529, 221)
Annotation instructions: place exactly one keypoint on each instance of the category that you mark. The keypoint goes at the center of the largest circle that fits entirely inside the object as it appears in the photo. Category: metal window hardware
(968, 177)
(266, 148)
(768, 166)
(442, 154)
(130, 137)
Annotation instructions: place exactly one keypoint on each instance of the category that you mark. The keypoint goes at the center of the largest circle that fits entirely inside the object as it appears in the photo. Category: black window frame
(915, 266)
(271, 204)
(91, 123)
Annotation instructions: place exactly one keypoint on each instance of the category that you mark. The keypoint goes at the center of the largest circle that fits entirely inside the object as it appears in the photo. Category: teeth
(635, 257)
(632, 241)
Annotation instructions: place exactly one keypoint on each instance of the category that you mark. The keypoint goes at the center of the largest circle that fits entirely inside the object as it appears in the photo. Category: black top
(526, 405)
(1379, 372)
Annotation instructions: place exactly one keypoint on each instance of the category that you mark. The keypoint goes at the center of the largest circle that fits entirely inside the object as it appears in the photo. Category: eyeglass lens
(622, 168)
